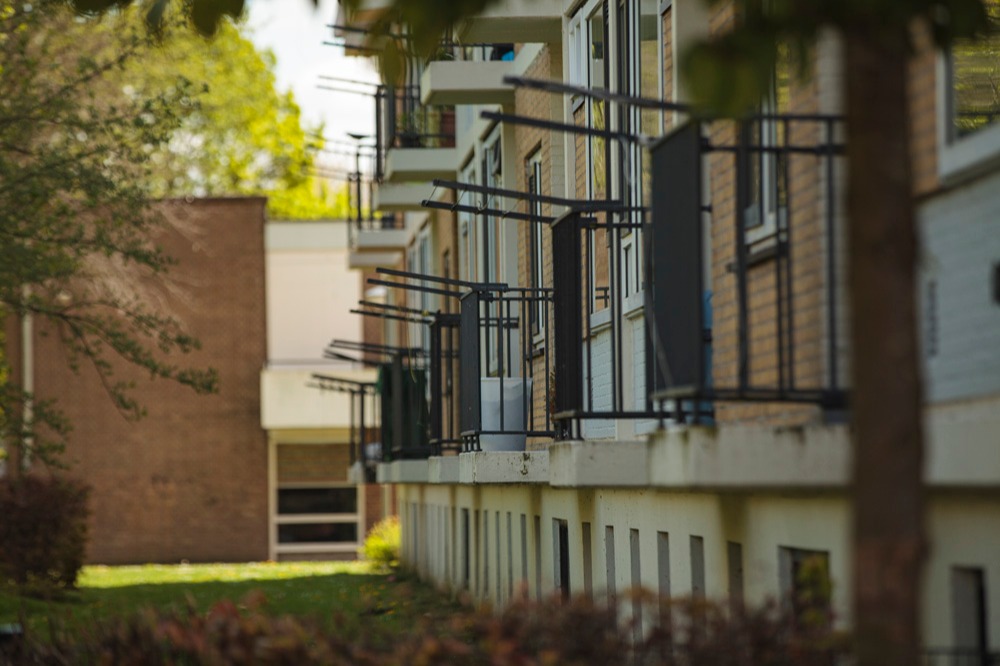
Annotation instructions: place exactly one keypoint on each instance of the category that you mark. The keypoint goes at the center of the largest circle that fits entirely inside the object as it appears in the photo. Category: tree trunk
(888, 504)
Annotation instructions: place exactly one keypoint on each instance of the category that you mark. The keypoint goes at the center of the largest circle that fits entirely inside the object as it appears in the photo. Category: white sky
(295, 31)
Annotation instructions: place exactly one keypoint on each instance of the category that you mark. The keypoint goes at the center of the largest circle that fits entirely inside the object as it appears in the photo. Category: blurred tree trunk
(888, 502)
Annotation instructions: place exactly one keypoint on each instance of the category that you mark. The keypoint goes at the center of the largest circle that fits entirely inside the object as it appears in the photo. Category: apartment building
(632, 324)
(264, 469)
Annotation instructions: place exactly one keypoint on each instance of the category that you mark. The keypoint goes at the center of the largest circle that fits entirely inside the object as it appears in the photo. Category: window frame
(959, 157)
(279, 519)
(536, 244)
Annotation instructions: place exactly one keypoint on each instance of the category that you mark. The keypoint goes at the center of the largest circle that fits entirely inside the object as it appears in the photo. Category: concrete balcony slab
(362, 259)
(811, 457)
(516, 21)
(401, 197)
(402, 471)
(486, 467)
(420, 164)
(598, 464)
(451, 82)
(443, 469)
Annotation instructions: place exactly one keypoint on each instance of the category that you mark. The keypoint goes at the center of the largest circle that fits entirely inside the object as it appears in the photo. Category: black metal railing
(443, 364)
(505, 375)
(505, 378)
(403, 121)
(488, 377)
(384, 222)
(959, 657)
(774, 223)
(599, 327)
(364, 436)
(402, 387)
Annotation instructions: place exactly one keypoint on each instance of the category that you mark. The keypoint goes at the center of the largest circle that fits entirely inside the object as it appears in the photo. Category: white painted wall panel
(960, 320)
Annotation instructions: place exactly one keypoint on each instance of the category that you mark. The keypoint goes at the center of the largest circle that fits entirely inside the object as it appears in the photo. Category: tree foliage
(239, 135)
(76, 227)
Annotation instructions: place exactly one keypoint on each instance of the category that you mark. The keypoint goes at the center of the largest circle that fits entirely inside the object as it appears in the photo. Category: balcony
(289, 402)
(365, 15)
(419, 164)
(376, 242)
(414, 141)
(517, 21)
(467, 82)
(401, 197)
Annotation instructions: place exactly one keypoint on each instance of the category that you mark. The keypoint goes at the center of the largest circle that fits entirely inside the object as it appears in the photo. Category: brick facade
(189, 481)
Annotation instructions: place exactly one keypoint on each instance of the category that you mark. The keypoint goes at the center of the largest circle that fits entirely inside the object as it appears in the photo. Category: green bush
(43, 533)
(382, 544)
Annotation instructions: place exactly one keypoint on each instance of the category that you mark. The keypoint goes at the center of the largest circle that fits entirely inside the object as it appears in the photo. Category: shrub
(573, 633)
(382, 544)
(43, 533)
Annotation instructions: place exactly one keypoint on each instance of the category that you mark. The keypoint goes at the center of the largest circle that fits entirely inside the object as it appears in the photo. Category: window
(610, 572)
(469, 238)
(588, 562)
(537, 257)
(805, 583)
(663, 564)
(734, 562)
(968, 612)
(316, 513)
(697, 547)
(636, 562)
(969, 94)
(974, 81)
(491, 175)
(764, 171)
(560, 534)
(317, 500)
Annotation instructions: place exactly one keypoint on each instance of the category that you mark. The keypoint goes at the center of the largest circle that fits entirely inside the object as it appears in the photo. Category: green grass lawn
(349, 593)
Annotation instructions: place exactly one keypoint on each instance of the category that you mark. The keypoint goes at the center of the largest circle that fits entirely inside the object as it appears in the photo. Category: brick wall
(529, 142)
(807, 247)
(302, 463)
(190, 480)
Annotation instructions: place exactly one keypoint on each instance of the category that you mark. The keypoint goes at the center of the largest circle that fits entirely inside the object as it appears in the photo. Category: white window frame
(314, 518)
(468, 242)
(967, 155)
(489, 232)
(535, 245)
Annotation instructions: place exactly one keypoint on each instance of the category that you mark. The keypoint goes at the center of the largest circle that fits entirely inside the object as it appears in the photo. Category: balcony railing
(757, 252)
(444, 334)
(772, 214)
(364, 419)
(505, 377)
(403, 122)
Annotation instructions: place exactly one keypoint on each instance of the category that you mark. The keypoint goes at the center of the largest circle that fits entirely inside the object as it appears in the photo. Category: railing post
(675, 345)
(567, 320)
(471, 413)
(437, 384)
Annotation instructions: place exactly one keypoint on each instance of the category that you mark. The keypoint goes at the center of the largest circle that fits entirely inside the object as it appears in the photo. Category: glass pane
(318, 533)
(293, 501)
(975, 79)
(649, 63)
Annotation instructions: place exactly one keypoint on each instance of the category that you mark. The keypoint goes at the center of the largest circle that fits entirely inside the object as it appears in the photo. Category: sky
(295, 31)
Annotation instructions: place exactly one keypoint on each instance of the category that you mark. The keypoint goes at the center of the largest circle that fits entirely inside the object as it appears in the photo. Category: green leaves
(730, 73)
(204, 15)
(77, 247)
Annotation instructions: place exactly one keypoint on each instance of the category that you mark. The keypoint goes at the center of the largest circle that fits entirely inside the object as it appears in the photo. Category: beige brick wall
(303, 463)
(807, 246)
(190, 480)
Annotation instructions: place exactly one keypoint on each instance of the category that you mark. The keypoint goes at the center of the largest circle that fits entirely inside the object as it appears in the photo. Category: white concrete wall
(309, 290)
(760, 523)
(963, 528)
(961, 333)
